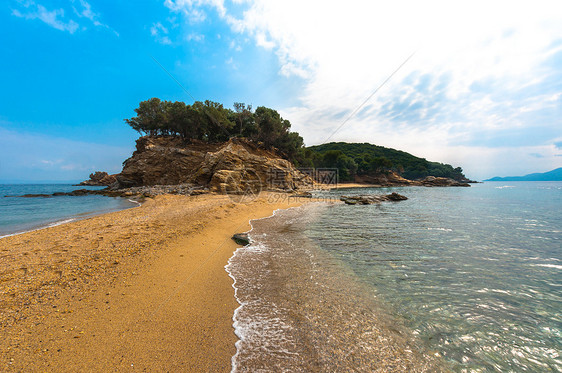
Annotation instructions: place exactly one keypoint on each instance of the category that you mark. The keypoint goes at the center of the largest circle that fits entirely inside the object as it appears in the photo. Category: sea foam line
(238, 329)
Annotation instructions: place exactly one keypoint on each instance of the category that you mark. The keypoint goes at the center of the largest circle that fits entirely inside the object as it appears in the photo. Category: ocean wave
(557, 266)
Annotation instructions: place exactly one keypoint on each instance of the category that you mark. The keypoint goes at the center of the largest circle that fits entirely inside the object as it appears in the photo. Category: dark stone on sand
(241, 239)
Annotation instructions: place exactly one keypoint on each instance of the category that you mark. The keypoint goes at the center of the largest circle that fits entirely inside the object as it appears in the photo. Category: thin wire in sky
(368, 98)
(172, 77)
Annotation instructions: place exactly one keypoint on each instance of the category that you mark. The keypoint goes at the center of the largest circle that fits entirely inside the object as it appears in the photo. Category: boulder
(241, 239)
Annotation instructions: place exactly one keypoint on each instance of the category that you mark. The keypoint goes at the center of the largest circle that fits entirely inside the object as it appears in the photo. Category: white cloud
(52, 18)
(481, 71)
(193, 9)
(56, 18)
(160, 33)
(195, 37)
(87, 12)
(479, 67)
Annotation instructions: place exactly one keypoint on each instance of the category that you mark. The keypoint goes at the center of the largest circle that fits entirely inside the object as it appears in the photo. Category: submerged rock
(369, 199)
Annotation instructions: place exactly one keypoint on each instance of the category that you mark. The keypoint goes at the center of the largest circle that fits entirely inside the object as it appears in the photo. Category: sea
(452, 279)
(18, 215)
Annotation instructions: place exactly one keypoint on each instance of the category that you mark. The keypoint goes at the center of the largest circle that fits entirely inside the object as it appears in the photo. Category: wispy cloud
(160, 33)
(53, 18)
(87, 12)
(495, 86)
(195, 10)
(57, 18)
(193, 36)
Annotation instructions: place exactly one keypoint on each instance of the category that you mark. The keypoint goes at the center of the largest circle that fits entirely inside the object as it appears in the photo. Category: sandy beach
(139, 289)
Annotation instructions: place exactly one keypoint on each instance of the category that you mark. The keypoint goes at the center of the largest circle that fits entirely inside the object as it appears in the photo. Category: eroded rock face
(236, 166)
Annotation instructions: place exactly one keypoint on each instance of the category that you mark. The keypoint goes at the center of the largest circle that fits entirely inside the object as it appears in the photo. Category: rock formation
(386, 179)
(236, 166)
(99, 178)
(441, 182)
(369, 199)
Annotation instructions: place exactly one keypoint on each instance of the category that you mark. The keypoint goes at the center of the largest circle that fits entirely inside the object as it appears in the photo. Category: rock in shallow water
(369, 199)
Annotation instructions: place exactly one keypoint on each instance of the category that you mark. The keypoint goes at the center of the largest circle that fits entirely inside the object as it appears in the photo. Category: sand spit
(141, 289)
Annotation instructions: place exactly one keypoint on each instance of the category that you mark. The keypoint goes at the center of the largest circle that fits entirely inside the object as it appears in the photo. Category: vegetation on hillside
(367, 159)
(211, 122)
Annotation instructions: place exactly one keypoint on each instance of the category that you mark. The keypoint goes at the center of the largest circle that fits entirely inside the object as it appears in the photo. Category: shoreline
(70, 219)
(127, 289)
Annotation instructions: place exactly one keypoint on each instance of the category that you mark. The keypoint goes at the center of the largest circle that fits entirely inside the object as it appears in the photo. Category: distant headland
(554, 175)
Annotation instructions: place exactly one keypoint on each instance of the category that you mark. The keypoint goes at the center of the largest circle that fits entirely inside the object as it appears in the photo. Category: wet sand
(139, 289)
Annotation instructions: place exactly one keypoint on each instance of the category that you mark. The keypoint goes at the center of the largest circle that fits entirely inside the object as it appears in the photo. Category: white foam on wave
(60, 222)
(50, 225)
(133, 201)
(505, 186)
(557, 266)
(245, 331)
(440, 229)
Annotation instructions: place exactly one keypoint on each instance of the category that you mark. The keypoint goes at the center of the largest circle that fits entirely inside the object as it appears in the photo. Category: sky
(477, 84)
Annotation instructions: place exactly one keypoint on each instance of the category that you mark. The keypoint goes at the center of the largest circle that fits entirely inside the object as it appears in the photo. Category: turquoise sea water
(460, 279)
(24, 214)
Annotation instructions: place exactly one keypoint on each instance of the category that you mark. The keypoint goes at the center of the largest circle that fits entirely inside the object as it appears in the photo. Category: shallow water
(303, 310)
(466, 279)
(23, 214)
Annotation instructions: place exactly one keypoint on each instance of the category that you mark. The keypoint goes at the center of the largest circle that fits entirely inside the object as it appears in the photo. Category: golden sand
(141, 289)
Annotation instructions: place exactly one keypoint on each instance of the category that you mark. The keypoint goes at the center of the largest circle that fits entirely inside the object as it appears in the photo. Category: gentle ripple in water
(471, 275)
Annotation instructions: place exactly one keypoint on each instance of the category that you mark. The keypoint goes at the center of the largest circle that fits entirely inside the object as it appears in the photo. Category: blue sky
(483, 89)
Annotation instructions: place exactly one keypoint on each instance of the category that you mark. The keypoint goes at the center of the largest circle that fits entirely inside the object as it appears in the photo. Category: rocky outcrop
(237, 166)
(431, 181)
(369, 199)
(385, 179)
(391, 178)
(99, 178)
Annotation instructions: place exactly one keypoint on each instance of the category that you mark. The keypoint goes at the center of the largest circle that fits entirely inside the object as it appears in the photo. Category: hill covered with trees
(211, 122)
(367, 159)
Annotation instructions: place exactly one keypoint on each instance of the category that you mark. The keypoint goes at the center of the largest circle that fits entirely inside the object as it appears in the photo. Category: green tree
(151, 117)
